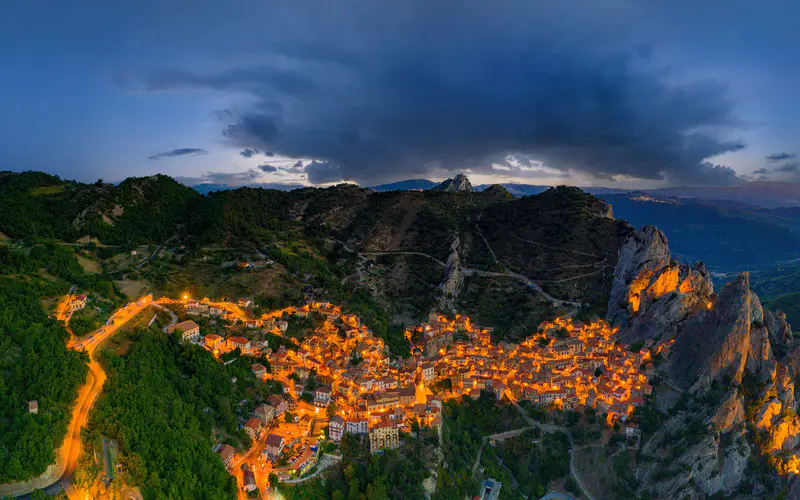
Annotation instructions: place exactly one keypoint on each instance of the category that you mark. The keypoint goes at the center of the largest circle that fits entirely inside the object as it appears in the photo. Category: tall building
(383, 435)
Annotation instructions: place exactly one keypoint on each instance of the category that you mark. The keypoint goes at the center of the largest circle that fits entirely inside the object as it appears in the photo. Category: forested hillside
(403, 253)
(35, 365)
(161, 402)
(35, 206)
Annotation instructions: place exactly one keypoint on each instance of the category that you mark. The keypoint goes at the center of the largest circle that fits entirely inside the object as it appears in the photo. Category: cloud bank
(388, 91)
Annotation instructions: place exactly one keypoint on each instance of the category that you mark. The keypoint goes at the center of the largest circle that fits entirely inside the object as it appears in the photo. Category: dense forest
(37, 206)
(161, 402)
(393, 474)
(35, 365)
(466, 423)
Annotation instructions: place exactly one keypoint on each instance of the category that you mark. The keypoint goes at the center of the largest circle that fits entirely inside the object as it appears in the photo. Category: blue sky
(616, 93)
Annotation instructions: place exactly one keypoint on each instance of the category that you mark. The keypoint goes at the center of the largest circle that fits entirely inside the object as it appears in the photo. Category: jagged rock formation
(652, 295)
(457, 184)
(726, 342)
(452, 278)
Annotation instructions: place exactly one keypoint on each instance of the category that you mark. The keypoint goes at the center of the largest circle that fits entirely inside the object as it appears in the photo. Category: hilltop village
(340, 379)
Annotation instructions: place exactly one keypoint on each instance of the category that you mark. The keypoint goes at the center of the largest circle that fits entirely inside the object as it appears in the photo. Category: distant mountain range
(206, 188)
(766, 194)
(729, 236)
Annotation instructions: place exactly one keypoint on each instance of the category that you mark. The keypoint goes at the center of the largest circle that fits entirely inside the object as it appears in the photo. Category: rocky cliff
(457, 184)
(727, 396)
(652, 295)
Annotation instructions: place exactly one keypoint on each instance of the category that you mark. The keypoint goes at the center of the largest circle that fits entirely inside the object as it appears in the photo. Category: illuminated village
(358, 389)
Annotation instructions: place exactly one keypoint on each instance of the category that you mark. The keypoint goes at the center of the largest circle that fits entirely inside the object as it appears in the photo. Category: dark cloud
(323, 172)
(790, 167)
(762, 170)
(268, 169)
(180, 152)
(776, 157)
(298, 164)
(248, 153)
(390, 91)
(269, 153)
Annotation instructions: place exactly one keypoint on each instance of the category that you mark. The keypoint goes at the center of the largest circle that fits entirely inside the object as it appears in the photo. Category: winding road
(59, 475)
(470, 272)
(554, 428)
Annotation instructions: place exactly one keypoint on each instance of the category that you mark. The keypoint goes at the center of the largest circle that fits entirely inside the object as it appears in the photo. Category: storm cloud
(389, 91)
(248, 153)
(270, 169)
(179, 152)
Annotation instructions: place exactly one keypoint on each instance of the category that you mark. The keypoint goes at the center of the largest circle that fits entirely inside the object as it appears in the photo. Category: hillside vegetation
(381, 254)
(35, 365)
(161, 402)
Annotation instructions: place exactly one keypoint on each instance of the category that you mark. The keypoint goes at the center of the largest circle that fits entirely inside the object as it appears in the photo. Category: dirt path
(147, 260)
(400, 252)
(554, 428)
(532, 284)
(467, 272)
(556, 248)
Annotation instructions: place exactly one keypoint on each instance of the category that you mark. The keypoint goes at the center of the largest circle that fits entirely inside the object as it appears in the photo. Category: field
(89, 266)
(133, 289)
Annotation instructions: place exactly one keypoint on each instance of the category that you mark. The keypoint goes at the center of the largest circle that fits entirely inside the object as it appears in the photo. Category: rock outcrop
(652, 295)
(734, 362)
(729, 414)
(457, 184)
(721, 341)
(452, 278)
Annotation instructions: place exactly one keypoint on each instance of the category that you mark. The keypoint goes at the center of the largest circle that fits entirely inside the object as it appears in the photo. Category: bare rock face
(706, 464)
(457, 184)
(640, 261)
(652, 295)
(730, 413)
(718, 342)
(784, 384)
(768, 414)
(785, 435)
(716, 339)
(780, 333)
(606, 211)
(452, 278)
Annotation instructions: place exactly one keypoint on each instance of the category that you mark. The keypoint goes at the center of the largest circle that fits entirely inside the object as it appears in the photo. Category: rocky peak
(715, 342)
(722, 340)
(457, 184)
(641, 260)
(498, 191)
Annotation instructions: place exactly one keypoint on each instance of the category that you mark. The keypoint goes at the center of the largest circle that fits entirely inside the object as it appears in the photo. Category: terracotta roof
(185, 326)
(226, 452)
